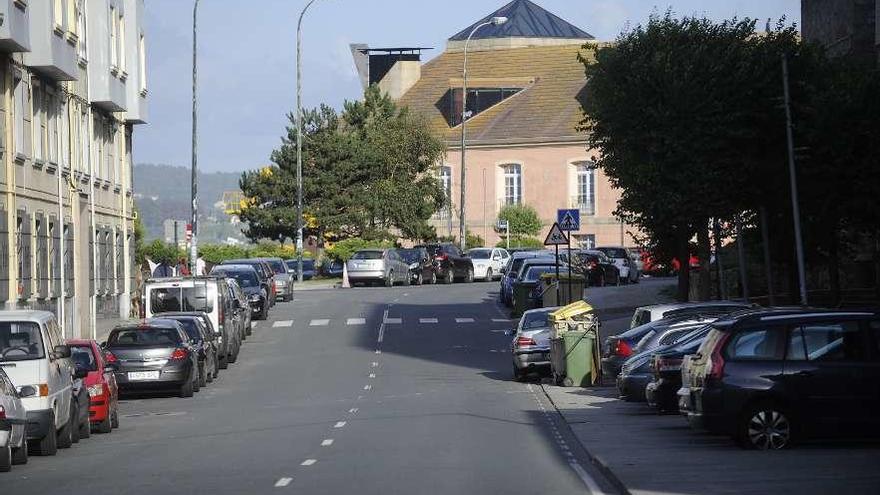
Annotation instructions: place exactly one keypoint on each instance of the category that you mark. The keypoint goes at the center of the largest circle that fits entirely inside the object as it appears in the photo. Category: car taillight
(2, 412)
(715, 361)
(525, 341)
(110, 358)
(622, 349)
(179, 354)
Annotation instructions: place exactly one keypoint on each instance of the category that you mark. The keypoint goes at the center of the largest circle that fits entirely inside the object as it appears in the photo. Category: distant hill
(163, 192)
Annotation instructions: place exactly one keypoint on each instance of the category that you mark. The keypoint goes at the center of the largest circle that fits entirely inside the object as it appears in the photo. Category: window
(39, 112)
(58, 15)
(757, 344)
(52, 118)
(585, 241)
(827, 342)
(478, 100)
(81, 31)
(20, 109)
(163, 300)
(121, 41)
(20, 341)
(512, 184)
(142, 62)
(114, 55)
(585, 198)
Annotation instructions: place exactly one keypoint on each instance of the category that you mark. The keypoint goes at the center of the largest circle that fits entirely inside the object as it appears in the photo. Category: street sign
(189, 232)
(501, 225)
(556, 237)
(569, 219)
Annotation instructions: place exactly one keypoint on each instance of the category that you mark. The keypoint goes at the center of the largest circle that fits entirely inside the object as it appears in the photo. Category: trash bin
(565, 297)
(521, 300)
(557, 360)
(580, 367)
(573, 336)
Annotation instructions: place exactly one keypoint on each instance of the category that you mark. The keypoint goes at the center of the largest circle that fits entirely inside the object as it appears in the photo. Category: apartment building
(523, 146)
(72, 89)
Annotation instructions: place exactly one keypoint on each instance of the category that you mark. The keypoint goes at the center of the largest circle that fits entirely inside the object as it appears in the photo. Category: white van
(35, 358)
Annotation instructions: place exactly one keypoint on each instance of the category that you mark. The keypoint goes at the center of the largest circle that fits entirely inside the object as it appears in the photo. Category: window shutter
(26, 259)
(92, 274)
(120, 262)
(132, 263)
(4, 256)
(42, 256)
(55, 254)
(107, 271)
(69, 288)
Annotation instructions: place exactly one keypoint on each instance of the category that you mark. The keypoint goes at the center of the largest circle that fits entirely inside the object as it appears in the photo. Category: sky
(247, 60)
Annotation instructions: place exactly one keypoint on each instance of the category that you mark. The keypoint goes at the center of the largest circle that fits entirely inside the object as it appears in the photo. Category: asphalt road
(369, 391)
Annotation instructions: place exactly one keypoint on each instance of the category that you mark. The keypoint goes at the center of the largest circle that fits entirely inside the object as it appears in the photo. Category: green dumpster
(580, 367)
(521, 300)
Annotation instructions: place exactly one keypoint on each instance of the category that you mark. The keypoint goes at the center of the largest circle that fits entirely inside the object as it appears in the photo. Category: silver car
(383, 266)
(283, 279)
(531, 343)
(13, 423)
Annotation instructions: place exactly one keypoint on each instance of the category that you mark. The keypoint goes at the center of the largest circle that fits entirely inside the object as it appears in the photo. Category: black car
(332, 268)
(203, 342)
(309, 268)
(81, 427)
(449, 263)
(155, 354)
(248, 279)
(527, 281)
(770, 377)
(661, 392)
(265, 275)
(597, 268)
(421, 267)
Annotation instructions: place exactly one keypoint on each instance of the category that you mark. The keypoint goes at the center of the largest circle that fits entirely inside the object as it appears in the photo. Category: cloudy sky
(247, 59)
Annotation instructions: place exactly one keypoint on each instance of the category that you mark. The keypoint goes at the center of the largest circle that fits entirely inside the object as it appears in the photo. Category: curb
(595, 460)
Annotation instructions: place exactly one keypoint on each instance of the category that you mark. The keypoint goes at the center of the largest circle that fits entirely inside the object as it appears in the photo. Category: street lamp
(299, 170)
(495, 21)
(194, 252)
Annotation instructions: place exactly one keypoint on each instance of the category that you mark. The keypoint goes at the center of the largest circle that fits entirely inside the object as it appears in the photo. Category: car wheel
(186, 390)
(85, 429)
(216, 371)
(433, 277)
(765, 427)
(5, 459)
(74, 426)
(407, 280)
(20, 455)
(65, 435)
(48, 445)
(224, 362)
(419, 279)
(232, 357)
(489, 275)
(449, 278)
(203, 376)
(601, 281)
(105, 426)
(114, 418)
(196, 386)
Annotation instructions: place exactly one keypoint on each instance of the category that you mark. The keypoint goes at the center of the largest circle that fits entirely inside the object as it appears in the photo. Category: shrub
(343, 250)
(517, 241)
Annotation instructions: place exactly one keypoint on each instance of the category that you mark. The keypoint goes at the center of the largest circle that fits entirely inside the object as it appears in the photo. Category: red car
(100, 382)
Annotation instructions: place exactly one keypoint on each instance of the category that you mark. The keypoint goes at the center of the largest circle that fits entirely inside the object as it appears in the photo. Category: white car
(488, 262)
(629, 272)
(35, 357)
(13, 423)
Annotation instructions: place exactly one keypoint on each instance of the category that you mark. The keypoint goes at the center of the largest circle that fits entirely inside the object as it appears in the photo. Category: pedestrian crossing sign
(556, 237)
(569, 220)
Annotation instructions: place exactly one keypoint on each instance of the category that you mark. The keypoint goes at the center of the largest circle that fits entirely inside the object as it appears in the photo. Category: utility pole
(299, 170)
(792, 172)
(194, 251)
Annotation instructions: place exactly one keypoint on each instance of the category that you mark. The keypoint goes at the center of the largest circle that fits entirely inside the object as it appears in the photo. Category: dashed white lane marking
(356, 321)
(353, 410)
(392, 321)
(339, 424)
(464, 320)
(428, 320)
(368, 387)
(308, 462)
(327, 442)
(378, 351)
(374, 364)
(500, 320)
(254, 324)
(382, 328)
(282, 323)
(282, 482)
(319, 323)
(372, 375)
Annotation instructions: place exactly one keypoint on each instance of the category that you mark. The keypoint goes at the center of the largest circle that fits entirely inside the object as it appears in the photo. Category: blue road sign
(569, 219)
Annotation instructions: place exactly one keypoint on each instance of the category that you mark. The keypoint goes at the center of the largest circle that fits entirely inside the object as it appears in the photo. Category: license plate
(143, 375)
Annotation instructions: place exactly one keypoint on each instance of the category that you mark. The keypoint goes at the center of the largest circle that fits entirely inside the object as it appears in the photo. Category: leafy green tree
(343, 250)
(161, 252)
(522, 242)
(522, 219)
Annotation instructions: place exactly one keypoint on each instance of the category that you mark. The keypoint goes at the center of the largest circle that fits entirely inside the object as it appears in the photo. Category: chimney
(394, 70)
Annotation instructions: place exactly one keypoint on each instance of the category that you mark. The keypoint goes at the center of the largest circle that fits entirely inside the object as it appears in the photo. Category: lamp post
(495, 21)
(299, 170)
(194, 252)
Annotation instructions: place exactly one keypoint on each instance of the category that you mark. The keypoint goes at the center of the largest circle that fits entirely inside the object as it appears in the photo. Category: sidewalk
(646, 453)
(319, 284)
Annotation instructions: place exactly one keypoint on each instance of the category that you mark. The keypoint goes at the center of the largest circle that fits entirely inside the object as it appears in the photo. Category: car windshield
(534, 319)
(169, 299)
(277, 266)
(244, 278)
(614, 252)
(83, 357)
(190, 326)
(145, 336)
(480, 254)
(367, 255)
(410, 255)
(20, 341)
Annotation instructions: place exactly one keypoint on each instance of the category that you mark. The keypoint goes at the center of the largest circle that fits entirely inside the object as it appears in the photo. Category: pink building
(523, 146)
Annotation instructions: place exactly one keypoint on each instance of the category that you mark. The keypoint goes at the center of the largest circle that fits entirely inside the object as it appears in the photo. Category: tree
(523, 220)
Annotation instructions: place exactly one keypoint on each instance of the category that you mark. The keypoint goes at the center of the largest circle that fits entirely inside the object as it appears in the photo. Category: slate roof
(545, 111)
(525, 20)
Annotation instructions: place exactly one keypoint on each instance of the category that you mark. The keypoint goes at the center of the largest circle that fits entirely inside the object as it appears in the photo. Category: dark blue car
(308, 268)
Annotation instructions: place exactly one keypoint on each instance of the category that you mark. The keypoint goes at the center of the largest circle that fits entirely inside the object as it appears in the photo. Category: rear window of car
(83, 357)
(144, 337)
(614, 252)
(535, 272)
(20, 341)
(480, 254)
(840, 341)
(190, 326)
(755, 345)
(535, 320)
(170, 299)
(277, 266)
(367, 255)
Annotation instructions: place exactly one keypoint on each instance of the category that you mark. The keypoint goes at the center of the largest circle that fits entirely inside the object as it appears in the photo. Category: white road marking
(308, 462)
(282, 323)
(392, 321)
(356, 321)
(339, 424)
(353, 410)
(464, 320)
(368, 387)
(378, 351)
(319, 323)
(374, 364)
(500, 320)
(283, 482)
(372, 375)
(327, 442)
(428, 320)
(382, 328)
(589, 482)
(254, 324)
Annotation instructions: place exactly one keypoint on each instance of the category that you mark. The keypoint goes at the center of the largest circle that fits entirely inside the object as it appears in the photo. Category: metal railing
(587, 206)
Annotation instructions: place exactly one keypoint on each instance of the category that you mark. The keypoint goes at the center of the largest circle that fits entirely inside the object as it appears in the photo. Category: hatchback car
(421, 268)
(100, 383)
(151, 355)
(629, 272)
(283, 278)
(531, 343)
(309, 268)
(488, 262)
(511, 271)
(203, 344)
(771, 377)
(382, 266)
(449, 262)
(598, 270)
(265, 274)
(13, 423)
(248, 280)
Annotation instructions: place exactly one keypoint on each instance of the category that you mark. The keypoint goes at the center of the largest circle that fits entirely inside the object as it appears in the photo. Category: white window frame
(585, 169)
(19, 103)
(512, 172)
(114, 48)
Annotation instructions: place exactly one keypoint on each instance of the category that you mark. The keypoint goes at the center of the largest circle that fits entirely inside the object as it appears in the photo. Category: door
(825, 370)
(59, 374)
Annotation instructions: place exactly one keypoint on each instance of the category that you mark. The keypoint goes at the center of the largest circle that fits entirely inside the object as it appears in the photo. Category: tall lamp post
(299, 170)
(495, 21)
(194, 251)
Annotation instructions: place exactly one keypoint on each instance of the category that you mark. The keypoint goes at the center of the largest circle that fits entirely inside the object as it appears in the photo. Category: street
(328, 399)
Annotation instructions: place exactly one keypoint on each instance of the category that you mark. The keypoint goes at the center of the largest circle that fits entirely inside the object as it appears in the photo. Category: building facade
(73, 86)
(523, 145)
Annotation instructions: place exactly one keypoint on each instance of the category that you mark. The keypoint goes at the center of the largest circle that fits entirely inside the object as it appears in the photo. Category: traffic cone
(345, 282)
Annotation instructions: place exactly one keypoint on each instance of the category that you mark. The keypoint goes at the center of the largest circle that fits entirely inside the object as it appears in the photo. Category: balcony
(587, 206)
(50, 53)
(15, 28)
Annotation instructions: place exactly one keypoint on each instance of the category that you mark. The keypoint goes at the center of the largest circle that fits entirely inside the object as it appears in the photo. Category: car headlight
(96, 390)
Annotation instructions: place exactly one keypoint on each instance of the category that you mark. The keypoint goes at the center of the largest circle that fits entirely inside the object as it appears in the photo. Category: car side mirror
(80, 373)
(27, 391)
(61, 352)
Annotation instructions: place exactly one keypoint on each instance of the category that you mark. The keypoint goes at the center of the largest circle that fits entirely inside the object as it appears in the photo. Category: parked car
(79, 407)
(153, 355)
(531, 343)
(647, 314)
(511, 271)
(421, 268)
(13, 423)
(241, 305)
(283, 279)
(528, 279)
(309, 270)
(382, 266)
(248, 280)
(100, 384)
(635, 255)
(210, 295)
(661, 392)
(450, 263)
(771, 377)
(488, 262)
(202, 342)
(265, 272)
(332, 268)
(598, 270)
(629, 272)
(33, 355)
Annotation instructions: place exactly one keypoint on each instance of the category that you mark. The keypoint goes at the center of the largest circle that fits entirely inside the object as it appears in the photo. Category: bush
(160, 252)
(216, 253)
(343, 250)
(523, 220)
(517, 241)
